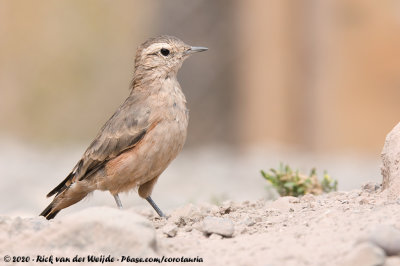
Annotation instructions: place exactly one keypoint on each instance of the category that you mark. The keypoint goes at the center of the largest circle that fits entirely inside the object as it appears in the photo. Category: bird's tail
(68, 192)
(62, 186)
(49, 212)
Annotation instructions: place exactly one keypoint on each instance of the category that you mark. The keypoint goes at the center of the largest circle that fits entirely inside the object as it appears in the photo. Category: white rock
(386, 237)
(392, 261)
(249, 222)
(170, 230)
(365, 254)
(391, 163)
(370, 187)
(99, 230)
(185, 215)
(215, 237)
(217, 225)
(282, 204)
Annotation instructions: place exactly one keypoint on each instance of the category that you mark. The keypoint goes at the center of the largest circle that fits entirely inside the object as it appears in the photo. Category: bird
(141, 138)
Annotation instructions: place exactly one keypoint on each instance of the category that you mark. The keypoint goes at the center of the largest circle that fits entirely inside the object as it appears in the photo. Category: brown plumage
(141, 138)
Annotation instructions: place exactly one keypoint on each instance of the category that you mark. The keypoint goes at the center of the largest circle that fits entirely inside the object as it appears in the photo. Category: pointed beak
(195, 49)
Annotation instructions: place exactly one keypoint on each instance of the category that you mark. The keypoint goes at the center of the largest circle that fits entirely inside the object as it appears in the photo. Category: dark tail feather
(61, 186)
(48, 213)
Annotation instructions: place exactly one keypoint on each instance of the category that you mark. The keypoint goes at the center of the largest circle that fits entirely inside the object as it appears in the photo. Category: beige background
(310, 83)
(320, 75)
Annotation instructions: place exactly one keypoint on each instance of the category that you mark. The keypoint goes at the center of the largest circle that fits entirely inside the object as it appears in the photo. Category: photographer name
(90, 258)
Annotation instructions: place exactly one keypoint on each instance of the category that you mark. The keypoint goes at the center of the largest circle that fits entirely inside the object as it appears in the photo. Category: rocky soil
(342, 228)
(351, 228)
(359, 227)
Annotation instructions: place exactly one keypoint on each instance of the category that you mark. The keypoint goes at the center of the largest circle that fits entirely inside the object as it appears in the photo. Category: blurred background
(310, 83)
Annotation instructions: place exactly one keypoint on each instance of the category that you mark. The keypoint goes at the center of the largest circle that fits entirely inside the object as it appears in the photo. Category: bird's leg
(155, 207)
(118, 201)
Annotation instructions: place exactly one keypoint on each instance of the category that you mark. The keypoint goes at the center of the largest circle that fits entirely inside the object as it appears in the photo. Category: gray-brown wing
(122, 131)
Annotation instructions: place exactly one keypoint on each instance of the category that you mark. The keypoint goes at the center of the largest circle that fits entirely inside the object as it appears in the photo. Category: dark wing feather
(122, 131)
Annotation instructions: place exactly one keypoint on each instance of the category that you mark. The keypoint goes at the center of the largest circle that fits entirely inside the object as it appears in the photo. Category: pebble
(308, 198)
(370, 187)
(392, 261)
(214, 209)
(365, 254)
(217, 225)
(363, 201)
(293, 199)
(225, 209)
(282, 204)
(249, 222)
(387, 237)
(354, 194)
(215, 237)
(170, 230)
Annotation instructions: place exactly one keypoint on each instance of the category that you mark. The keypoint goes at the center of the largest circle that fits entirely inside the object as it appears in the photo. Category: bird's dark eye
(164, 52)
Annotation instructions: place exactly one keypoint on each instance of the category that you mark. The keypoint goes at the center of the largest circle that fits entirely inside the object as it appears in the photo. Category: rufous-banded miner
(141, 138)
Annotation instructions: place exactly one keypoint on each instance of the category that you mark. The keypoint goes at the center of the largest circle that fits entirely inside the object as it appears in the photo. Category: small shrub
(292, 183)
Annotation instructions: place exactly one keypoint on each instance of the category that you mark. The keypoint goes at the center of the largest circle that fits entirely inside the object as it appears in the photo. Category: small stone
(258, 219)
(185, 215)
(387, 237)
(217, 225)
(215, 237)
(354, 194)
(214, 209)
(311, 205)
(249, 222)
(308, 198)
(180, 221)
(225, 209)
(392, 261)
(243, 230)
(188, 229)
(365, 254)
(282, 204)
(293, 199)
(170, 230)
(370, 187)
(363, 201)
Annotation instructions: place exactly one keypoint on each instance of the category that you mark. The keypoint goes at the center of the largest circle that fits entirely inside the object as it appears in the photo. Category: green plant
(328, 183)
(292, 183)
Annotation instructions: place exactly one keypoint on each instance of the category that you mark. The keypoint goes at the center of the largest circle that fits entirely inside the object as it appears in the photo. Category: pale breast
(151, 156)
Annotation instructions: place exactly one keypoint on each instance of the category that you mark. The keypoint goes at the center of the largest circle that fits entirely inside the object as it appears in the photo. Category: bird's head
(162, 56)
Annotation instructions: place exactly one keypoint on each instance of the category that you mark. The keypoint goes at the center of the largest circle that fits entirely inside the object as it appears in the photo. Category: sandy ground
(322, 230)
(311, 231)
(251, 227)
